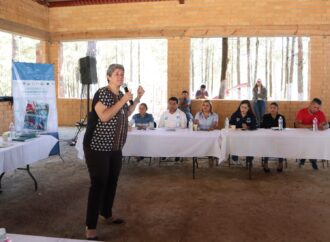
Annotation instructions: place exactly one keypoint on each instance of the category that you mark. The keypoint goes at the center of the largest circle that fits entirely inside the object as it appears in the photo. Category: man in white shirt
(173, 117)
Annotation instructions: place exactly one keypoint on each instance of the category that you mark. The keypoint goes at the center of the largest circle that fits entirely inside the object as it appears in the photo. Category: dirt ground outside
(164, 203)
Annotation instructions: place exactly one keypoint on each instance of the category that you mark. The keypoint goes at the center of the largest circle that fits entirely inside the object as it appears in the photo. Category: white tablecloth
(21, 154)
(29, 238)
(290, 143)
(163, 143)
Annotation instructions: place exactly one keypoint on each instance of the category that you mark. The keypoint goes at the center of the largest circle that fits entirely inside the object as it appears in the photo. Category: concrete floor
(163, 203)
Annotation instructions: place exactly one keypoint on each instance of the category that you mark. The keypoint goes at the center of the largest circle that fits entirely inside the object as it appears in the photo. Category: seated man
(270, 120)
(305, 118)
(202, 93)
(173, 117)
(185, 104)
(142, 119)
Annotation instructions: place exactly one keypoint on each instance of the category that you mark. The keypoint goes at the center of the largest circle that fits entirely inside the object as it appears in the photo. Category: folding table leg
(30, 174)
(250, 169)
(194, 163)
(2, 174)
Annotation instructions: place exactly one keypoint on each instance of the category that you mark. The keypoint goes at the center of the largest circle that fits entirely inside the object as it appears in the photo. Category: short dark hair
(184, 91)
(173, 99)
(317, 100)
(112, 68)
(203, 86)
(274, 103)
(145, 105)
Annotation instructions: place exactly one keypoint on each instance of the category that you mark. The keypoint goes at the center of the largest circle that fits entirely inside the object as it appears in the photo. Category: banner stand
(33, 88)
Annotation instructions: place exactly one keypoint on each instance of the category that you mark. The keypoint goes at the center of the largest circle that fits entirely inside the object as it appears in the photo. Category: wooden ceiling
(66, 3)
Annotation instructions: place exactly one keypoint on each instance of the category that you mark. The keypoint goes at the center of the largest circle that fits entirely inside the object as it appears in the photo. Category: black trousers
(104, 169)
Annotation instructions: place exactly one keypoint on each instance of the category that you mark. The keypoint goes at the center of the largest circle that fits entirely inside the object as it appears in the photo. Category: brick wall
(25, 17)
(195, 17)
(204, 18)
(6, 116)
(178, 23)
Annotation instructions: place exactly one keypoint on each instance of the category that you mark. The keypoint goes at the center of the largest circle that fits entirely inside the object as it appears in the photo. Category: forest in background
(281, 62)
(229, 67)
(14, 48)
(145, 63)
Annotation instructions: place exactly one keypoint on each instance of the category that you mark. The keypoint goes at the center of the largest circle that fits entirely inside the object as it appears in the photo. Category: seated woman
(270, 120)
(243, 118)
(207, 120)
(142, 119)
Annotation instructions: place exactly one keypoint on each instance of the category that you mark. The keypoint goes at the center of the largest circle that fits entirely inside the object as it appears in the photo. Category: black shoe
(279, 169)
(177, 159)
(93, 238)
(118, 221)
(314, 165)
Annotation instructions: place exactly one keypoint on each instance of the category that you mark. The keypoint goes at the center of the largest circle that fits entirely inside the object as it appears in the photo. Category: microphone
(126, 90)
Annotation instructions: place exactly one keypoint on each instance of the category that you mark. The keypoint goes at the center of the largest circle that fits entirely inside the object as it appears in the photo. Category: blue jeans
(259, 109)
(189, 117)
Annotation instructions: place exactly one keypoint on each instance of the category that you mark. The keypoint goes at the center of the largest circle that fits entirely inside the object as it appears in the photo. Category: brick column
(178, 65)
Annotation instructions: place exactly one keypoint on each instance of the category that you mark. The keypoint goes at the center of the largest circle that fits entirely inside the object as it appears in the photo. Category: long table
(30, 238)
(23, 154)
(289, 143)
(164, 143)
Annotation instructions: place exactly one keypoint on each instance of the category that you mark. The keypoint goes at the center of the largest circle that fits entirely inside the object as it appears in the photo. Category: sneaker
(91, 234)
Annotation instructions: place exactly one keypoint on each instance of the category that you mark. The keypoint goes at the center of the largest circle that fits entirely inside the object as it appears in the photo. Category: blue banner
(32, 71)
(35, 99)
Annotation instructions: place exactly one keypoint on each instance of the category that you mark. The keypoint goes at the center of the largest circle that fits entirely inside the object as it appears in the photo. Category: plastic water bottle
(191, 125)
(227, 123)
(3, 235)
(315, 126)
(132, 122)
(11, 132)
(280, 123)
(177, 122)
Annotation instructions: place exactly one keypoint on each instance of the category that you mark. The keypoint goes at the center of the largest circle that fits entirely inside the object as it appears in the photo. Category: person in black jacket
(244, 119)
(270, 120)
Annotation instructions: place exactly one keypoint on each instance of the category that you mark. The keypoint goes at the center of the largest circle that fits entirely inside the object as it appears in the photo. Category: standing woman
(259, 99)
(103, 142)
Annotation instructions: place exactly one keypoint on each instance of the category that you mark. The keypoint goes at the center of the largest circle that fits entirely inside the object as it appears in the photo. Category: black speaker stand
(82, 123)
